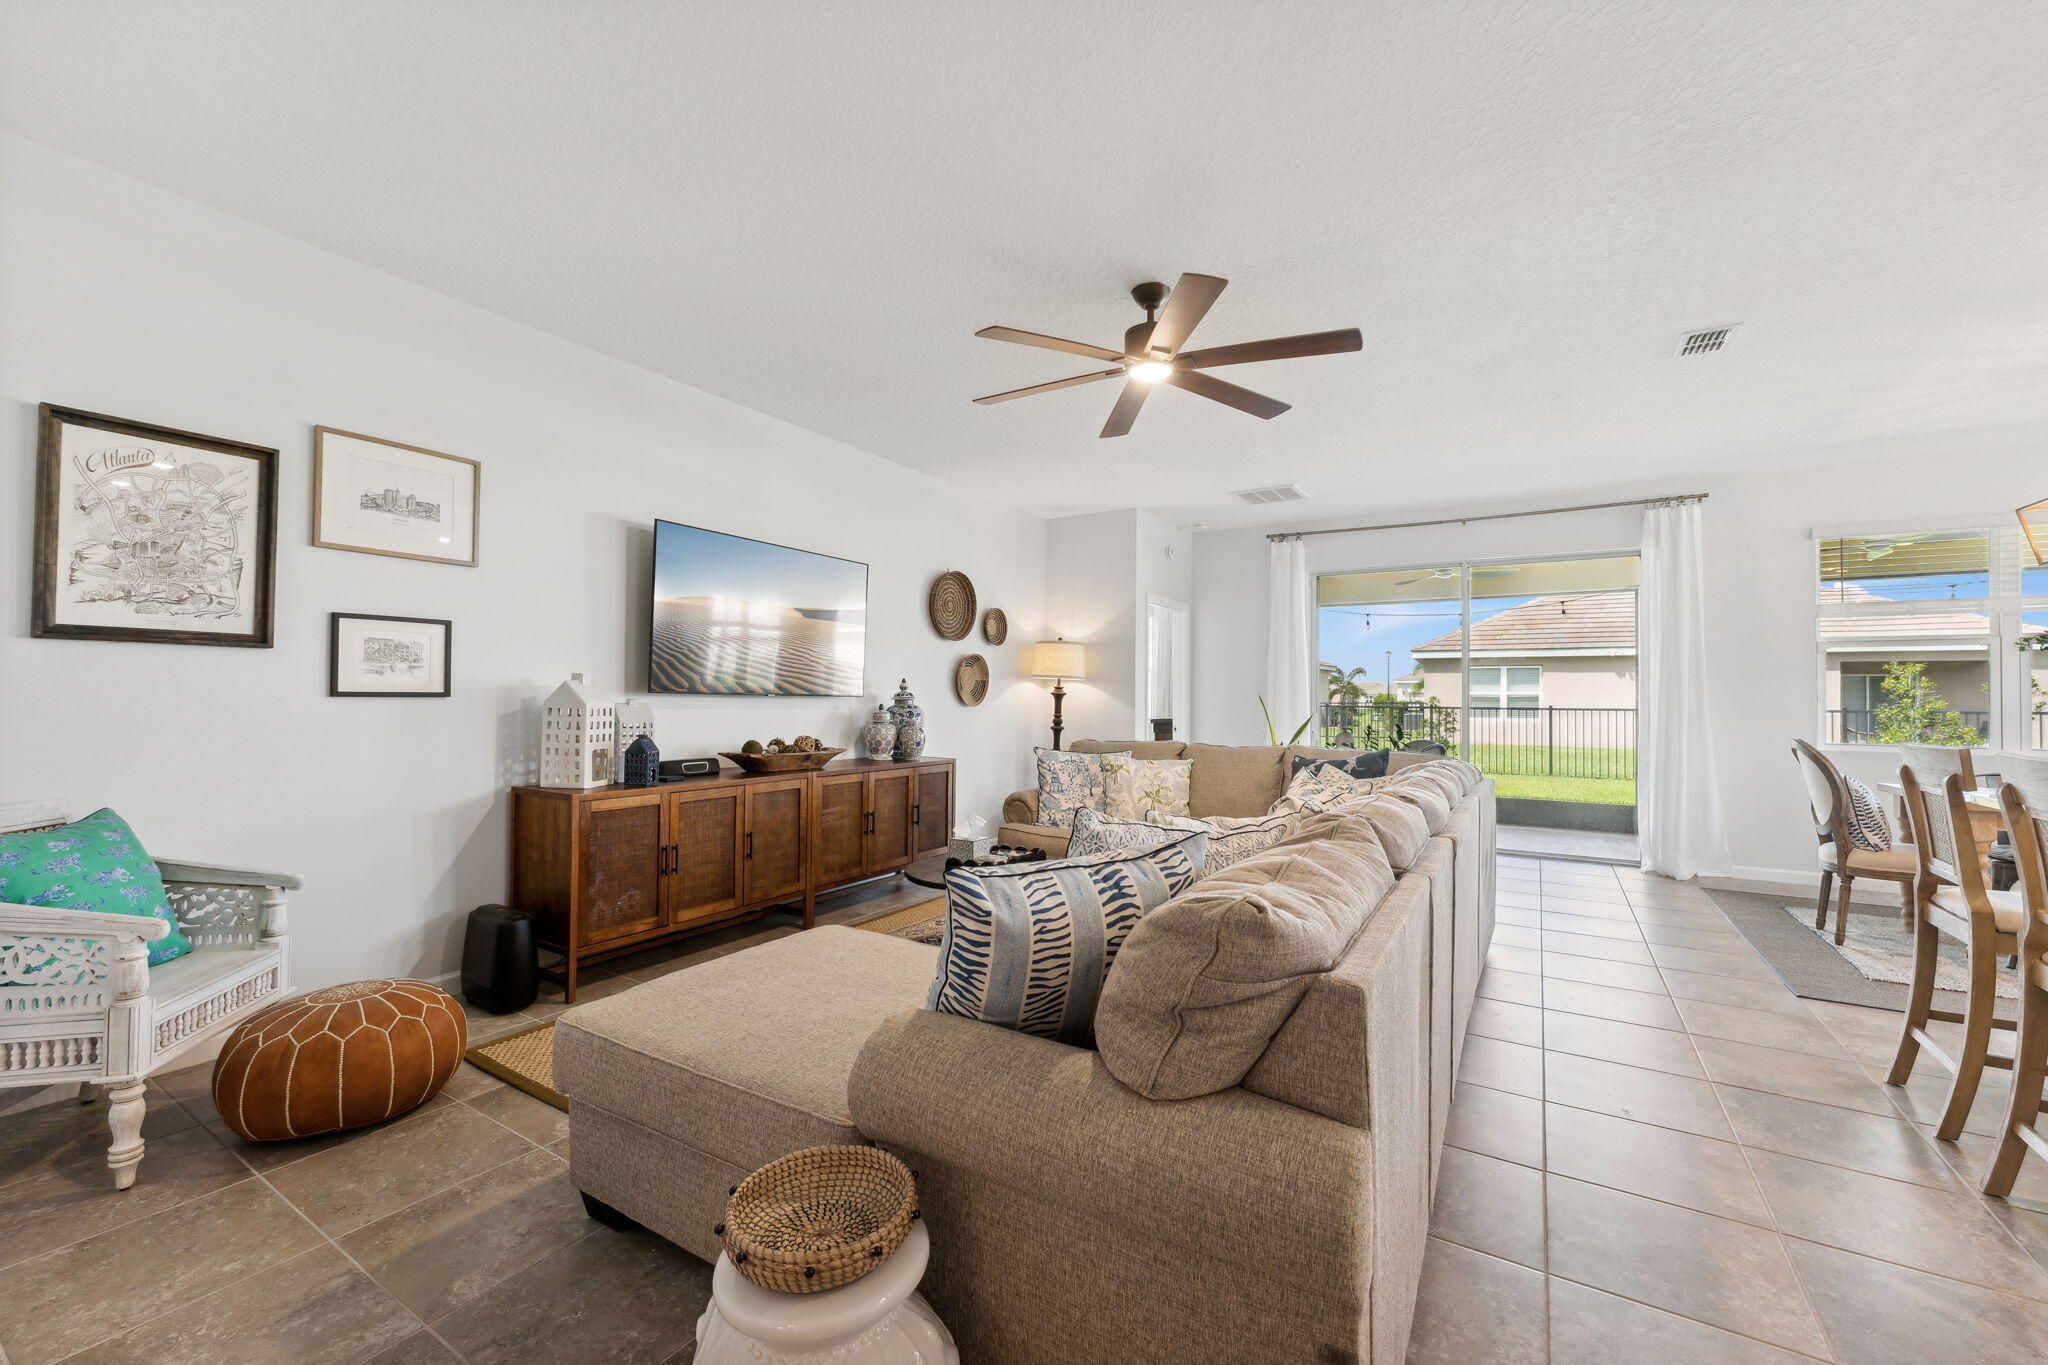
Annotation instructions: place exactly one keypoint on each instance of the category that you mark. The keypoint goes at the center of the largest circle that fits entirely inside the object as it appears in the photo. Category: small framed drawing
(382, 498)
(387, 656)
(145, 533)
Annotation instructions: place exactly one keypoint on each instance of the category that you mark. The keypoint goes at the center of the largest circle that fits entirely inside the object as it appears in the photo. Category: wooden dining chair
(1827, 797)
(1952, 899)
(2024, 799)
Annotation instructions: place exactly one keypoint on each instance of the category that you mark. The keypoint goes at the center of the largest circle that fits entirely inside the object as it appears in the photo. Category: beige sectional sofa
(1282, 1219)
(1224, 779)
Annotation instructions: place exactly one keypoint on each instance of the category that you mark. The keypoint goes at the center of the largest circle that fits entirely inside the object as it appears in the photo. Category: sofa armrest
(212, 874)
(1021, 808)
(1235, 1173)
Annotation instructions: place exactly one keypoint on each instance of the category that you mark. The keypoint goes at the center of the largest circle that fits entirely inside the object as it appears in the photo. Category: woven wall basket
(952, 605)
(819, 1218)
(995, 627)
(970, 680)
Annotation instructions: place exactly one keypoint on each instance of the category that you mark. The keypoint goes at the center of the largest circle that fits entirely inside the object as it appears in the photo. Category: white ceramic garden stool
(876, 1320)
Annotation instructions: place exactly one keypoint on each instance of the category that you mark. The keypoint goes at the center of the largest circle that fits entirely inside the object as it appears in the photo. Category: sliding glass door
(1527, 669)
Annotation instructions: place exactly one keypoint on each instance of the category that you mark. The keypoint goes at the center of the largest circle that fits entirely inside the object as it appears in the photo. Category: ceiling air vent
(1258, 497)
(1707, 342)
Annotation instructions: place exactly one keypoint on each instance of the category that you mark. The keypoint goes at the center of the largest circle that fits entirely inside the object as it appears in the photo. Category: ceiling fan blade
(1244, 400)
(1126, 410)
(1279, 348)
(1185, 306)
(1048, 388)
(1049, 343)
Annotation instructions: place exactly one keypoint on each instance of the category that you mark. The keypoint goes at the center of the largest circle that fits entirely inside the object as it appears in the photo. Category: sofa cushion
(1435, 777)
(1136, 748)
(1407, 758)
(1131, 785)
(1027, 946)
(692, 1054)
(1067, 782)
(1205, 980)
(1436, 810)
(1229, 780)
(1401, 829)
(1320, 785)
(1232, 838)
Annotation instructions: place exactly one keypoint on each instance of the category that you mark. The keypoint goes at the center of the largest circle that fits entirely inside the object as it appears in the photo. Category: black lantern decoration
(641, 766)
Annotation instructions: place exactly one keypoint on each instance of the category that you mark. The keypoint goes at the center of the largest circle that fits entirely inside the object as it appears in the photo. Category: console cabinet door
(842, 822)
(891, 835)
(624, 847)
(775, 840)
(704, 869)
(931, 815)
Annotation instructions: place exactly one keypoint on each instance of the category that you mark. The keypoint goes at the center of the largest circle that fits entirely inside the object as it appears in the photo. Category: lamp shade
(2034, 521)
(1058, 659)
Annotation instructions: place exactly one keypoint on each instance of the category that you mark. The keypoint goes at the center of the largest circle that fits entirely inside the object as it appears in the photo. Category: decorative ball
(806, 744)
(338, 1058)
(776, 746)
(752, 746)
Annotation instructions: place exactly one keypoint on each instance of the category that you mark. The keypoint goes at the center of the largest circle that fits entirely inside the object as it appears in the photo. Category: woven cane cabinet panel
(612, 870)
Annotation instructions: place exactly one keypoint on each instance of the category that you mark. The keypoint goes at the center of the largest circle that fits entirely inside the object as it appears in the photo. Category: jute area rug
(525, 1059)
(1872, 967)
(924, 922)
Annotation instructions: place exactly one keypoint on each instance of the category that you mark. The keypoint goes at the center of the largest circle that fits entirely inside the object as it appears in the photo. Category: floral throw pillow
(1316, 786)
(1132, 786)
(92, 864)
(1068, 782)
(1366, 763)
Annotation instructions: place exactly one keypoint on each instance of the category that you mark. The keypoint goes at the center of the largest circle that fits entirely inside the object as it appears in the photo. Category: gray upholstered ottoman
(681, 1088)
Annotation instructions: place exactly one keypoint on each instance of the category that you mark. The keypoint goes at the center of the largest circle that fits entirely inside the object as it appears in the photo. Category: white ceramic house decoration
(635, 718)
(578, 738)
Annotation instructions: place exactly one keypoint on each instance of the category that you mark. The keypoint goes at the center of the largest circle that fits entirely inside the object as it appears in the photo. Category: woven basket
(819, 1218)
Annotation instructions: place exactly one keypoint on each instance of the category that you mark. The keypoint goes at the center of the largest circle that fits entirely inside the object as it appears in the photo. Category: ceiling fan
(1152, 353)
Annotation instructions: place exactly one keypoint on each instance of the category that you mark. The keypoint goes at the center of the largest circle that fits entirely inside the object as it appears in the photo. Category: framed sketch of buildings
(387, 656)
(383, 498)
(150, 534)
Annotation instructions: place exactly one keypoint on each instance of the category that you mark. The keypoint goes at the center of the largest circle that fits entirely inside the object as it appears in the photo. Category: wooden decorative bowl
(789, 761)
(819, 1218)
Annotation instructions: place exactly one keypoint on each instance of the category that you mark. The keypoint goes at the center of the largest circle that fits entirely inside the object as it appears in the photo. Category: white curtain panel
(1678, 804)
(1289, 694)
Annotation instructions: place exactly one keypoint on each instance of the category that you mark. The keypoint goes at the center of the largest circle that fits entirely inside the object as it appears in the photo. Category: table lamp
(1058, 660)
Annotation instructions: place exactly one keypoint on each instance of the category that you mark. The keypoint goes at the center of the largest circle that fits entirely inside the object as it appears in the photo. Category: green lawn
(1538, 772)
(1605, 791)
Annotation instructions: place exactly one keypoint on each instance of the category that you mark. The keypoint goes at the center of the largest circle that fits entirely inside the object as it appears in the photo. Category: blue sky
(1354, 636)
(689, 562)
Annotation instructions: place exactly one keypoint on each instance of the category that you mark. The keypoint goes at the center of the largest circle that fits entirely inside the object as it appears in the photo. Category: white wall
(1100, 569)
(1760, 610)
(125, 300)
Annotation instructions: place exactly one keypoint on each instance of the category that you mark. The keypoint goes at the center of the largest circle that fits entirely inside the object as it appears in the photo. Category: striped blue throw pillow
(1027, 947)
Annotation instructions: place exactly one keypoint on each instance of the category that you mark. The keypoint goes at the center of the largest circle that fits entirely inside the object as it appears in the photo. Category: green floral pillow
(92, 864)
(1132, 786)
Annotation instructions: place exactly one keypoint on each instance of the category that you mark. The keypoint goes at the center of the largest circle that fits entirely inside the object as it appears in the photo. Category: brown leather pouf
(338, 1058)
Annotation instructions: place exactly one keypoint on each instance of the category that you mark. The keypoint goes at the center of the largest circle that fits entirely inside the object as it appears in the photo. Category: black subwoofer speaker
(500, 966)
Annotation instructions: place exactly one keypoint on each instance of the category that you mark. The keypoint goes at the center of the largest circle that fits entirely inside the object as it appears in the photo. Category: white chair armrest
(213, 874)
(50, 919)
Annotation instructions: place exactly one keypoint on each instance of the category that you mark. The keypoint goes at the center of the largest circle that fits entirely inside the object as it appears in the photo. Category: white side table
(876, 1320)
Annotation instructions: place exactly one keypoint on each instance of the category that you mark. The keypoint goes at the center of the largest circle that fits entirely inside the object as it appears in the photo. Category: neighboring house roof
(1605, 623)
(1559, 623)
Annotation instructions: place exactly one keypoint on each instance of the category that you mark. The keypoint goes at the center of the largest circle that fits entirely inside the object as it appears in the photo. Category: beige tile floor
(1658, 1153)
(451, 1234)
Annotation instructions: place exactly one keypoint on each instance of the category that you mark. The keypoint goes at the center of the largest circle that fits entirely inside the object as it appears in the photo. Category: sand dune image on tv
(738, 617)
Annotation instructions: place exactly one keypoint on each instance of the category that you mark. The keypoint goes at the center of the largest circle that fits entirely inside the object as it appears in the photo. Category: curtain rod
(1487, 516)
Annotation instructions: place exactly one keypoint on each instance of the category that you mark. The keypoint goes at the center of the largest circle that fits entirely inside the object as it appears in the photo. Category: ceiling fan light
(1150, 371)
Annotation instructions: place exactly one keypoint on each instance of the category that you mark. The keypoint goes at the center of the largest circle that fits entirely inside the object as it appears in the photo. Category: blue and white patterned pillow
(1068, 782)
(1367, 763)
(1095, 832)
(1868, 829)
(1027, 946)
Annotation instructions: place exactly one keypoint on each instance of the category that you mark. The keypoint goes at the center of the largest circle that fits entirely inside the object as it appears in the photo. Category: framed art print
(382, 498)
(387, 656)
(149, 534)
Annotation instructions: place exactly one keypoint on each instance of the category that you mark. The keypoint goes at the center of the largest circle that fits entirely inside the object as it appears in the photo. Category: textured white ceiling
(810, 207)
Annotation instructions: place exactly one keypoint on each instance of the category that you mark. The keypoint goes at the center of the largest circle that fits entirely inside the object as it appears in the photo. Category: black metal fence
(1849, 726)
(1523, 741)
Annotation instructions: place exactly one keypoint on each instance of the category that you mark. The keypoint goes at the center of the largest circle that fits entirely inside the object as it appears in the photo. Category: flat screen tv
(744, 618)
